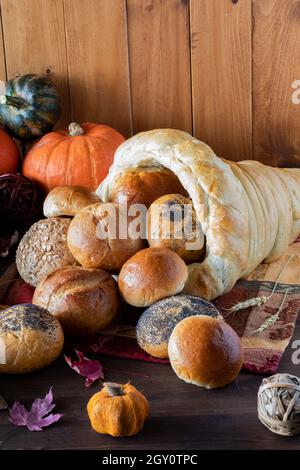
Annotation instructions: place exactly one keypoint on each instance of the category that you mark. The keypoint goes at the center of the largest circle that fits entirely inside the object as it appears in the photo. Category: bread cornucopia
(249, 212)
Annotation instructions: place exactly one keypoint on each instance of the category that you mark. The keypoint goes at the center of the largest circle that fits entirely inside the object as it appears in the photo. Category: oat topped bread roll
(249, 212)
(43, 249)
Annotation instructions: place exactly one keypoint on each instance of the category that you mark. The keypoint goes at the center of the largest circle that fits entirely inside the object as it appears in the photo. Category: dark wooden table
(182, 416)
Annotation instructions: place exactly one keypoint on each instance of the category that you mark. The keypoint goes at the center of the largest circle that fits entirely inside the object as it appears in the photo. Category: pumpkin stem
(115, 390)
(14, 101)
(75, 129)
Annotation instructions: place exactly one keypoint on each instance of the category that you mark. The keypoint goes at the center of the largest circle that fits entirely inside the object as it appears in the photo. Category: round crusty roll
(150, 275)
(144, 185)
(173, 224)
(44, 249)
(205, 351)
(68, 200)
(30, 338)
(85, 301)
(94, 237)
(157, 322)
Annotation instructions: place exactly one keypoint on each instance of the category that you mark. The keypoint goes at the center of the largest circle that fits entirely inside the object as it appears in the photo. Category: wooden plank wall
(223, 70)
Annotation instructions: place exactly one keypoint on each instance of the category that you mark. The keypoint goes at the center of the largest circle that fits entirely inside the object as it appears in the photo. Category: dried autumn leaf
(35, 419)
(86, 367)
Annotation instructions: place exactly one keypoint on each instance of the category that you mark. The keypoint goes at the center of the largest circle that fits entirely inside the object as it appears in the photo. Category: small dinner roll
(150, 275)
(144, 185)
(94, 237)
(205, 351)
(68, 200)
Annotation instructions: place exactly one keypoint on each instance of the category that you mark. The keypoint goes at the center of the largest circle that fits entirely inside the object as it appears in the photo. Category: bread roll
(84, 300)
(205, 351)
(144, 185)
(30, 338)
(68, 200)
(94, 237)
(44, 249)
(172, 223)
(156, 324)
(150, 275)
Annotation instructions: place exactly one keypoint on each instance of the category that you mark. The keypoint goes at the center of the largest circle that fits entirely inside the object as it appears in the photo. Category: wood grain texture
(160, 64)
(182, 416)
(98, 62)
(3, 76)
(34, 39)
(221, 76)
(276, 65)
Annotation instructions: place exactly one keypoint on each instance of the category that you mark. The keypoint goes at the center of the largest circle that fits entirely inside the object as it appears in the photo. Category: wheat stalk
(257, 300)
(272, 319)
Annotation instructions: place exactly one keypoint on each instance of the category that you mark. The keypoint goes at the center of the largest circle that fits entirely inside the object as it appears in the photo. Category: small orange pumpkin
(80, 155)
(118, 410)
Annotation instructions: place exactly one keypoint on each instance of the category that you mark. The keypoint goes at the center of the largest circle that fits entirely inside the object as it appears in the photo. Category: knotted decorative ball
(279, 404)
(20, 202)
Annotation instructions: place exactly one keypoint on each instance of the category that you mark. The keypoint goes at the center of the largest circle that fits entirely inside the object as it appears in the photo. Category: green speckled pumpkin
(30, 106)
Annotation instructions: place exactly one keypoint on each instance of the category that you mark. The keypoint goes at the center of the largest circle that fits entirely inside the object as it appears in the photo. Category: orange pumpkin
(80, 155)
(118, 410)
(9, 154)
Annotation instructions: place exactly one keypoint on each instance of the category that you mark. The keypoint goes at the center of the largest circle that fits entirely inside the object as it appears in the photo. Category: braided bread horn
(249, 212)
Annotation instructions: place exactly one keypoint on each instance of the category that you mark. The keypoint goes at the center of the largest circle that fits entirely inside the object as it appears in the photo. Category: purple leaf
(92, 370)
(35, 419)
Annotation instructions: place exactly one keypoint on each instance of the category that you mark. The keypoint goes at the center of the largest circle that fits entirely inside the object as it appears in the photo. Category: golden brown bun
(143, 186)
(172, 223)
(31, 338)
(85, 301)
(151, 275)
(44, 249)
(205, 351)
(155, 325)
(93, 252)
(68, 200)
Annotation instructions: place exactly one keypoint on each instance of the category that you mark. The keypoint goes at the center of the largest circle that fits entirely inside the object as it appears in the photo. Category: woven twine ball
(21, 202)
(279, 404)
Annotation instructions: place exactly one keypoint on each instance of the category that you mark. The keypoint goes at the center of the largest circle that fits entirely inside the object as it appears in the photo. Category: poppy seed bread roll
(156, 324)
(173, 224)
(205, 351)
(30, 338)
